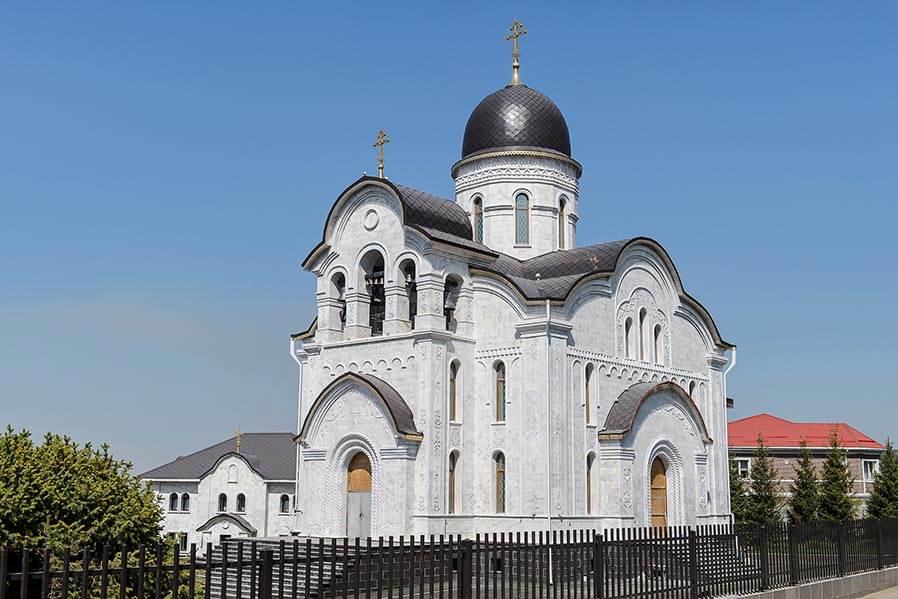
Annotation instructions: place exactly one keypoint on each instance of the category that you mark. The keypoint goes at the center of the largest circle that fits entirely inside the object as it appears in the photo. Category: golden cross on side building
(239, 434)
(517, 30)
(380, 141)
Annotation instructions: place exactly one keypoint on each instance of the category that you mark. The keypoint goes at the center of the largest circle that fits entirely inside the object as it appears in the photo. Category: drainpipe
(731, 365)
(298, 424)
(549, 433)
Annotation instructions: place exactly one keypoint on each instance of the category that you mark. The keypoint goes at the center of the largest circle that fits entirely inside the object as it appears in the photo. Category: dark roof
(436, 218)
(623, 413)
(272, 455)
(516, 117)
(558, 271)
(400, 413)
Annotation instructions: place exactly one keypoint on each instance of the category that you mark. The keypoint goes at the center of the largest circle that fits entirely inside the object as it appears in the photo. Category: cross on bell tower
(380, 140)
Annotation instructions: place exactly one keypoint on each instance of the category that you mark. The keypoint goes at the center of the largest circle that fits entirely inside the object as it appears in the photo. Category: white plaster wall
(498, 180)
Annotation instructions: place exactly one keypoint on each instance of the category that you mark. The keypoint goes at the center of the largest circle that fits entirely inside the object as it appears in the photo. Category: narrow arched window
(500, 482)
(628, 331)
(285, 503)
(500, 392)
(659, 355)
(642, 316)
(232, 473)
(453, 465)
(522, 218)
(478, 220)
(241, 503)
(372, 265)
(173, 502)
(411, 289)
(185, 502)
(588, 392)
(338, 290)
(562, 222)
(453, 392)
(589, 485)
(692, 389)
(222, 502)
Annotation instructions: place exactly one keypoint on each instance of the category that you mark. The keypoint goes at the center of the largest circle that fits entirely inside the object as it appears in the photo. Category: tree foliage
(836, 502)
(764, 500)
(805, 498)
(739, 499)
(57, 494)
(883, 502)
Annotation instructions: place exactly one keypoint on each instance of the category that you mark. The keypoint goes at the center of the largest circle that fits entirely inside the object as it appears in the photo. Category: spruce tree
(764, 500)
(738, 495)
(805, 491)
(836, 502)
(883, 502)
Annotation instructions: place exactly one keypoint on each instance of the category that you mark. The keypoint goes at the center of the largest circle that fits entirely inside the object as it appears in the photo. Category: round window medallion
(226, 525)
(371, 219)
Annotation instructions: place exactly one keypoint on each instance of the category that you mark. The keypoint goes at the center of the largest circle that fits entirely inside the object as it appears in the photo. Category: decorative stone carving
(626, 488)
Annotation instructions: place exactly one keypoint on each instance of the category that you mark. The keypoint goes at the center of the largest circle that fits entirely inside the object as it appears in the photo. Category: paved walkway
(889, 593)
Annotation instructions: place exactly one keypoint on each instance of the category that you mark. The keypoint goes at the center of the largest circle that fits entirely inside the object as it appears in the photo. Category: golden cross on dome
(381, 139)
(517, 30)
(239, 434)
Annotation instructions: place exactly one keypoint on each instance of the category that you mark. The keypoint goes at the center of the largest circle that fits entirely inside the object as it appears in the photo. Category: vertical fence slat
(85, 576)
(207, 569)
(66, 567)
(191, 573)
(45, 573)
(4, 556)
(23, 581)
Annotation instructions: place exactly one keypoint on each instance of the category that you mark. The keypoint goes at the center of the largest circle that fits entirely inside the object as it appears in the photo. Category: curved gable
(556, 276)
(401, 417)
(437, 219)
(232, 518)
(622, 414)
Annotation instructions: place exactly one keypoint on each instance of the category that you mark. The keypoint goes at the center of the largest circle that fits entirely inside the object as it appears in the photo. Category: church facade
(471, 369)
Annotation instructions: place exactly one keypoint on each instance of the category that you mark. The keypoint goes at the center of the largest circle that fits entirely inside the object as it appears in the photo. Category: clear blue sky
(165, 166)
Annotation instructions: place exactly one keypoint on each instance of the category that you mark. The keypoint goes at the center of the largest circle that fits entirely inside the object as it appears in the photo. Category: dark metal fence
(656, 563)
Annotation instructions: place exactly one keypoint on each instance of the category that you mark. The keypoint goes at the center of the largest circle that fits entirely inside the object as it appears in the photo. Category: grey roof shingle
(516, 116)
(623, 413)
(272, 455)
(558, 271)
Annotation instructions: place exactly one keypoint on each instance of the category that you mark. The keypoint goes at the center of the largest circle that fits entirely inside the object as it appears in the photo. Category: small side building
(229, 490)
(783, 438)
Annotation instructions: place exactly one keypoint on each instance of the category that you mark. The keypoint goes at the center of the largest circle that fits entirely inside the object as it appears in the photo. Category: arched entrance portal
(358, 496)
(659, 493)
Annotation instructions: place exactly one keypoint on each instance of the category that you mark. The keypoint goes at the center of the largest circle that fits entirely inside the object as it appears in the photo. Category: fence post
(693, 564)
(793, 552)
(266, 573)
(598, 556)
(840, 537)
(465, 587)
(765, 558)
(880, 562)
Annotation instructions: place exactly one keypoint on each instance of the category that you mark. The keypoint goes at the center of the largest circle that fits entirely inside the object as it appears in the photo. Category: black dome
(513, 117)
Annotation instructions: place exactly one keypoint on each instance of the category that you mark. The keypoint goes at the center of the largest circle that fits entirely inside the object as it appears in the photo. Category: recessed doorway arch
(358, 496)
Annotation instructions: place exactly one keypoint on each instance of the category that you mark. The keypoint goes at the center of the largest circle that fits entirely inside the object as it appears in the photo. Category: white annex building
(242, 487)
(472, 369)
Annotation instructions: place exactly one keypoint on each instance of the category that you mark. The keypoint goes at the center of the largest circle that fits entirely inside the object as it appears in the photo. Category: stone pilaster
(357, 311)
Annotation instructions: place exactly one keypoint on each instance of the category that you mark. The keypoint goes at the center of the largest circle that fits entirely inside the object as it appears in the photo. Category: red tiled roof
(782, 433)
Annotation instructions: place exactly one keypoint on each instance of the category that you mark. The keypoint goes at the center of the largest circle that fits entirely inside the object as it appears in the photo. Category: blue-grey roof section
(271, 455)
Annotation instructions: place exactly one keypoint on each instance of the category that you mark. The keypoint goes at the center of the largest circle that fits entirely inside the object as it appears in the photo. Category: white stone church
(472, 369)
